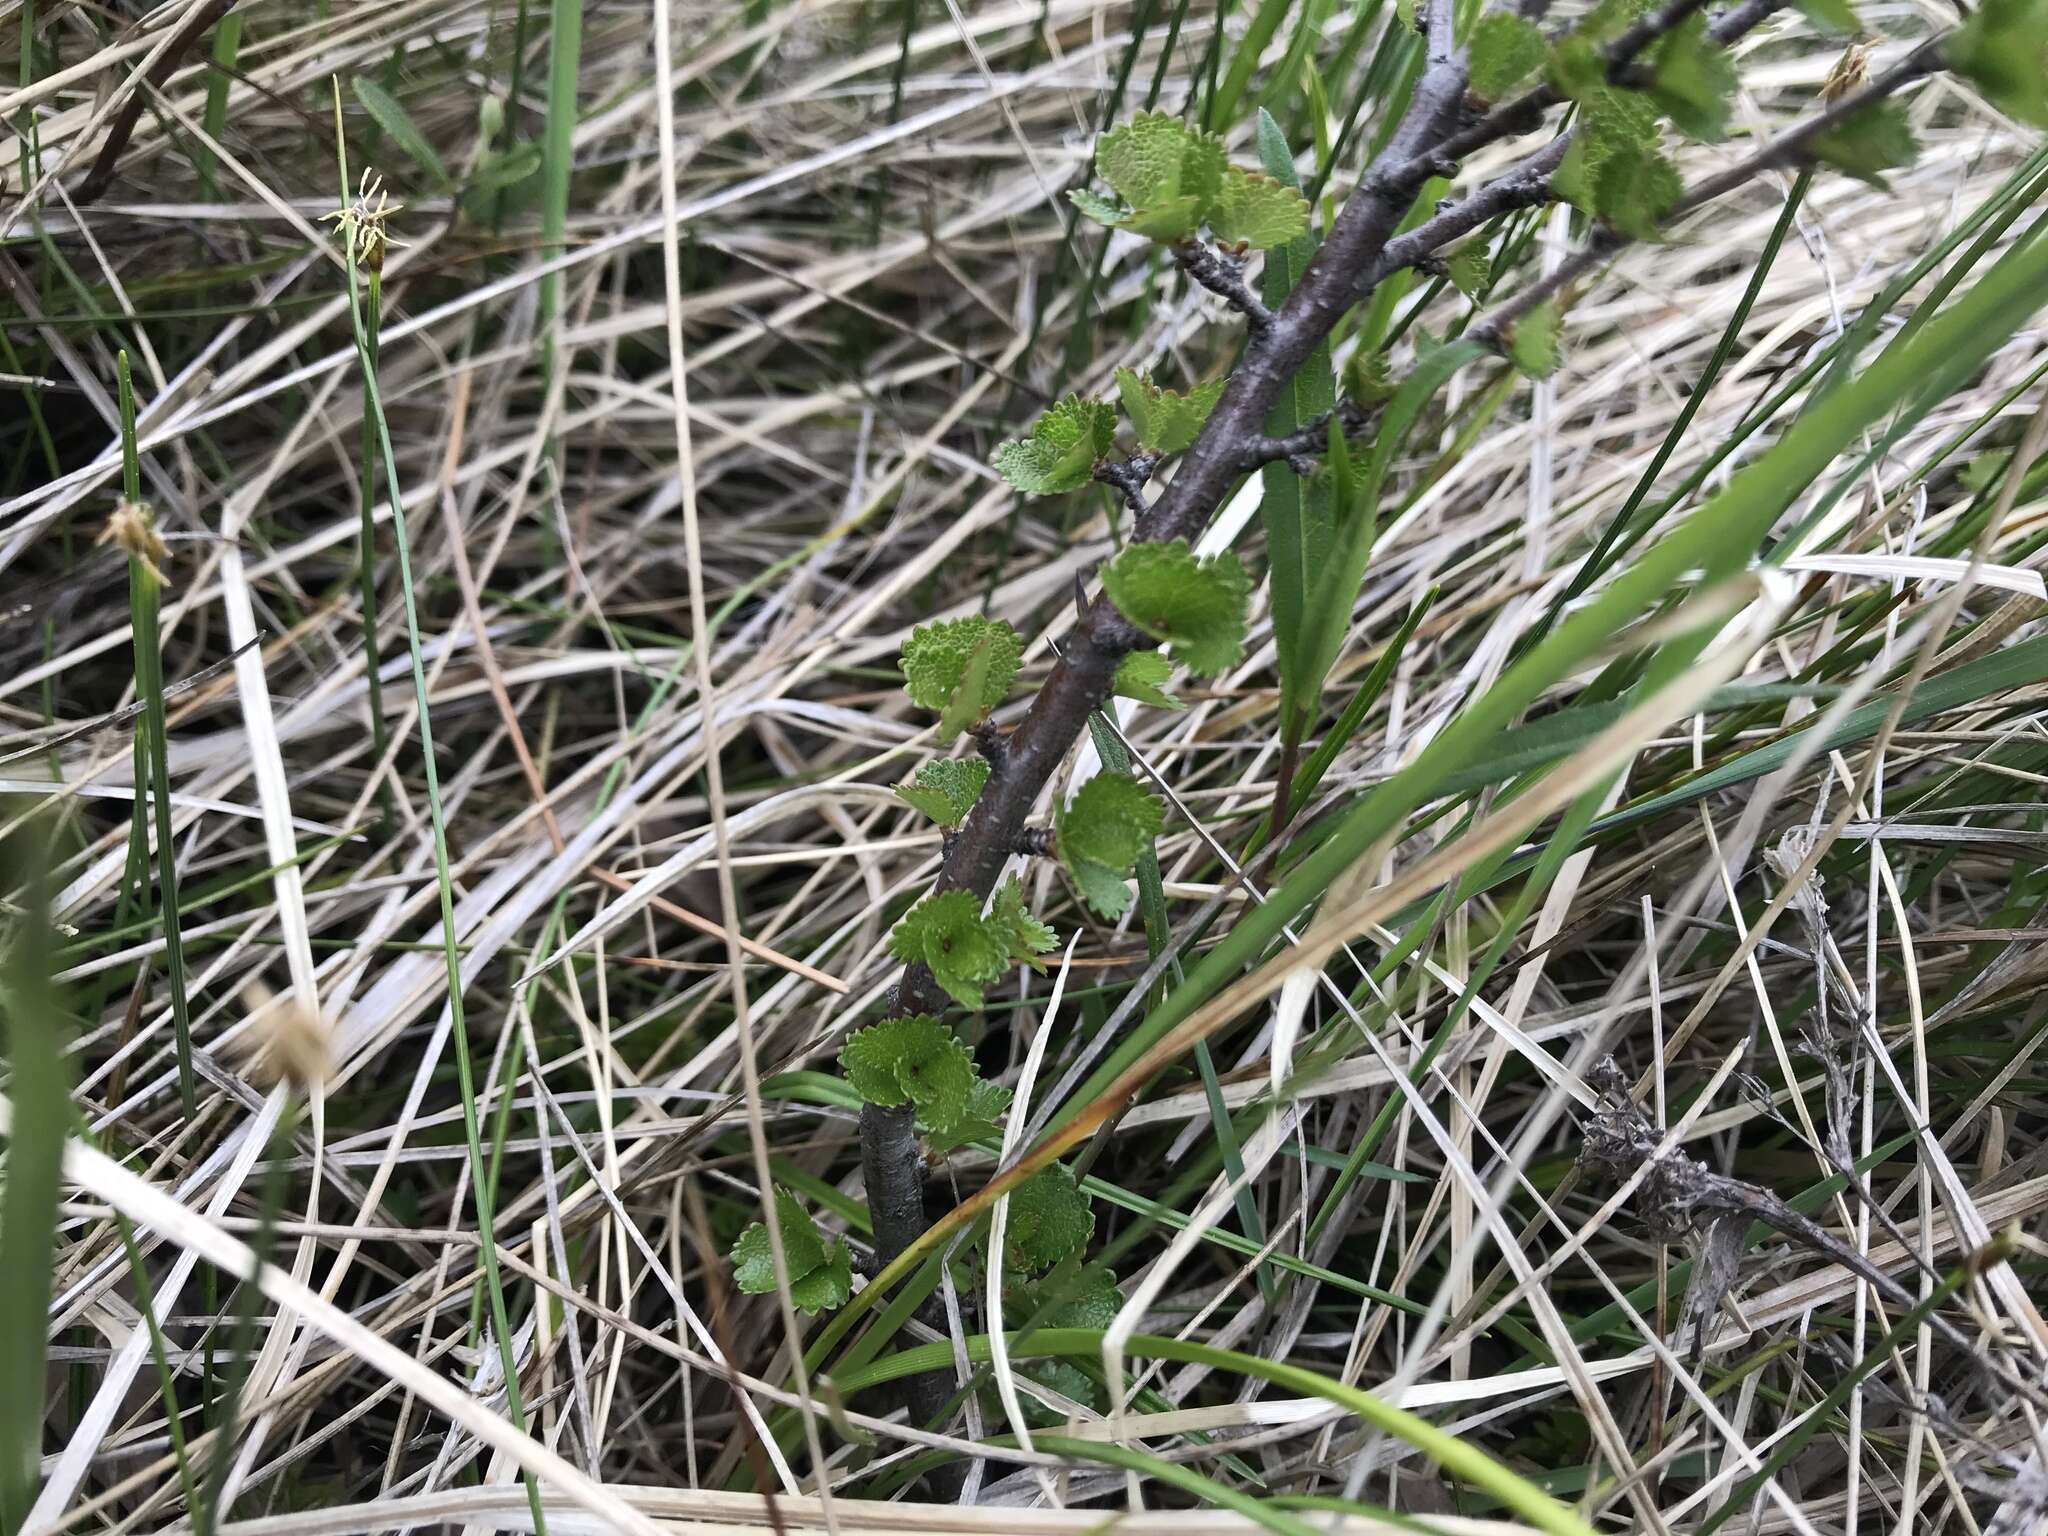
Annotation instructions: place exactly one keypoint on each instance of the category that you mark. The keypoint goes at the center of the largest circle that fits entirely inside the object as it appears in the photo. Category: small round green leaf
(945, 788)
(1195, 606)
(1868, 143)
(1111, 820)
(2003, 50)
(1025, 935)
(1253, 209)
(1155, 158)
(939, 656)
(1506, 50)
(820, 1271)
(1142, 676)
(1049, 1218)
(1532, 342)
(1061, 451)
(1164, 421)
(946, 934)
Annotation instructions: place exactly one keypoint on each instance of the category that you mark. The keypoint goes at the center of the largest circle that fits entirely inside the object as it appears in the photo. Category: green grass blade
(1257, 37)
(1294, 510)
(39, 1095)
(145, 584)
(1715, 540)
(159, 1353)
(1337, 576)
(487, 1245)
(558, 154)
(227, 44)
(398, 125)
(1467, 1462)
(366, 548)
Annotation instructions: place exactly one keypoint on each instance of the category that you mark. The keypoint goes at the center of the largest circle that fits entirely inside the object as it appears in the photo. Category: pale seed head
(361, 223)
(132, 529)
(291, 1043)
(1848, 73)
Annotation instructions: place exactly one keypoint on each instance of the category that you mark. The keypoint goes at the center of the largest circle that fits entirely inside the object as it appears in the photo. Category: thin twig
(1225, 278)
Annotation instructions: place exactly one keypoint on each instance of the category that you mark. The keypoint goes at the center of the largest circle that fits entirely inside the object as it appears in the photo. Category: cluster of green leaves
(1074, 435)
(919, 1061)
(1102, 831)
(946, 788)
(1170, 179)
(1050, 1218)
(1090, 1299)
(964, 950)
(962, 668)
(913, 1060)
(2003, 50)
(1064, 446)
(820, 1268)
(1618, 169)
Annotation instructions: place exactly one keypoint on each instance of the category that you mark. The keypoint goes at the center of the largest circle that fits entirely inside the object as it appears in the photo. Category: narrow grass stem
(134, 529)
(487, 1246)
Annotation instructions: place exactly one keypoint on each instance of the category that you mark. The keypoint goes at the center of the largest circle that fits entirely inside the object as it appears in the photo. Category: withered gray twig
(1680, 1198)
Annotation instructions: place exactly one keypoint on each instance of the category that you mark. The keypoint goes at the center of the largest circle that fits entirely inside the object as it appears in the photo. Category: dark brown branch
(892, 1168)
(989, 742)
(1358, 252)
(1082, 680)
(1224, 278)
(1034, 843)
(1527, 185)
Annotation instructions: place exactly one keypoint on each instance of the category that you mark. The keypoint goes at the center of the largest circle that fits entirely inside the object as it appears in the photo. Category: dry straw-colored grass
(870, 296)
